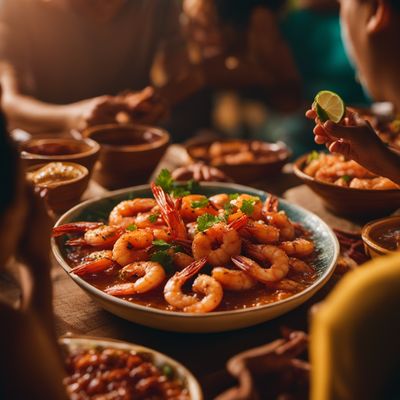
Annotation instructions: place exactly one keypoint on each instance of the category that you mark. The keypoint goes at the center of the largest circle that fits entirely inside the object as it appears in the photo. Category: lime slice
(329, 105)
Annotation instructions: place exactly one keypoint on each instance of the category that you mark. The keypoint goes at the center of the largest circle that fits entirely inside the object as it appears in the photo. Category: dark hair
(8, 166)
(237, 12)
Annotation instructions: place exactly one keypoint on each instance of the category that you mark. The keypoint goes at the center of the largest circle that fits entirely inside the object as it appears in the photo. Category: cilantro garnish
(131, 227)
(346, 178)
(166, 182)
(153, 218)
(206, 221)
(248, 206)
(163, 258)
(233, 196)
(200, 203)
(160, 244)
(164, 179)
(314, 155)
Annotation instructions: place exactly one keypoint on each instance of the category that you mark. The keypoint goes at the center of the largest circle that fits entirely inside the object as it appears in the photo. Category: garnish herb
(163, 258)
(248, 206)
(233, 196)
(153, 218)
(167, 371)
(206, 221)
(314, 155)
(160, 244)
(165, 180)
(131, 227)
(200, 203)
(346, 178)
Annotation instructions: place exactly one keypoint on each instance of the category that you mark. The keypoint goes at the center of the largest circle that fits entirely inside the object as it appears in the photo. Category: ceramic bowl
(64, 195)
(349, 201)
(244, 172)
(371, 230)
(42, 150)
(327, 250)
(129, 153)
(71, 343)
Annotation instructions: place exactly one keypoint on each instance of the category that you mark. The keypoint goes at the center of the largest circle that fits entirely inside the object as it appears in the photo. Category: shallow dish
(350, 201)
(65, 194)
(71, 343)
(42, 150)
(245, 172)
(327, 250)
(374, 228)
(129, 153)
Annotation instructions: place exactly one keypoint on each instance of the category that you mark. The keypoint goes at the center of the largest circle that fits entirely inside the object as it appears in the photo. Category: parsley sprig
(206, 221)
(165, 180)
(200, 203)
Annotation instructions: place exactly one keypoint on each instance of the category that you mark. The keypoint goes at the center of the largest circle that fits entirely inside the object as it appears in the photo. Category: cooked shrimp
(203, 284)
(219, 200)
(218, 243)
(169, 212)
(75, 227)
(103, 237)
(151, 275)
(181, 260)
(192, 207)
(300, 266)
(273, 254)
(95, 262)
(345, 168)
(233, 279)
(278, 218)
(255, 202)
(125, 213)
(132, 246)
(288, 285)
(322, 160)
(260, 232)
(149, 219)
(378, 183)
(298, 248)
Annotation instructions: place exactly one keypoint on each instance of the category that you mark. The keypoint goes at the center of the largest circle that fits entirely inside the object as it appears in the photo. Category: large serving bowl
(72, 343)
(348, 201)
(129, 153)
(327, 250)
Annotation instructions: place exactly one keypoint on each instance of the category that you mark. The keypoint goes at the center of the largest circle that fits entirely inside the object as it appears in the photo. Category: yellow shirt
(355, 335)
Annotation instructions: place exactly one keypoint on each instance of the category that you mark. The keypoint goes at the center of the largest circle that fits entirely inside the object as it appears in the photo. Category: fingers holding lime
(329, 106)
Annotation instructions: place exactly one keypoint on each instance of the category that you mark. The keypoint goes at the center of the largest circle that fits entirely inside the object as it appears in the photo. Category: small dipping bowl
(376, 236)
(62, 195)
(129, 153)
(42, 150)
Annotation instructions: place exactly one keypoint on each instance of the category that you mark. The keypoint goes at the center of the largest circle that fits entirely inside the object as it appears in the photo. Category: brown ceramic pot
(129, 153)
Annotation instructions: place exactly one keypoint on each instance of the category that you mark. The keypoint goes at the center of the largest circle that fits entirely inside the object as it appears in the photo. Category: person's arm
(357, 140)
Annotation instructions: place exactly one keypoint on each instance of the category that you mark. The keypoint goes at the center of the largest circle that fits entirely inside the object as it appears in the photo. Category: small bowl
(349, 201)
(71, 343)
(42, 150)
(129, 153)
(66, 194)
(371, 245)
(244, 172)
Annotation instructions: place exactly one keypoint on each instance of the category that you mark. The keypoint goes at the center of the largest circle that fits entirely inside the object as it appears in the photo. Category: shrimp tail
(192, 269)
(241, 262)
(75, 227)
(76, 242)
(271, 204)
(169, 212)
(239, 223)
(92, 267)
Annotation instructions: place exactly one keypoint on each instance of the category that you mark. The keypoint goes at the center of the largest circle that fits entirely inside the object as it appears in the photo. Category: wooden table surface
(204, 354)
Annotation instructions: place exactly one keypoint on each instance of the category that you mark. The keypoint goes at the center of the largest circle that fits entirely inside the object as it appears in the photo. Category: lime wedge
(329, 106)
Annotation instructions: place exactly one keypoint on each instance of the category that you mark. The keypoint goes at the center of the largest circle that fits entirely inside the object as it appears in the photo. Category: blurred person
(31, 366)
(372, 32)
(65, 62)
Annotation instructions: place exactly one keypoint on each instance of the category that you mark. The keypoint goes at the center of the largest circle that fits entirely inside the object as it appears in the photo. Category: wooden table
(204, 354)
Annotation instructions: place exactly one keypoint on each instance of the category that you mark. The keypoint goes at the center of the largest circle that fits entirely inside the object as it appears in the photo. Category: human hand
(354, 137)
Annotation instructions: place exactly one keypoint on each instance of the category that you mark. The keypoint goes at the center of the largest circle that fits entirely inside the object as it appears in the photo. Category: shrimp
(264, 252)
(203, 284)
(95, 262)
(256, 204)
(278, 218)
(260, 231)
(219, 200)
(299, 247)
(103, 237)
(75, 227)
(233, 279)
(126, 212)
(300, 266)
(322, 161)
(219, 243)
(189, 210)
(345, 168)
(132, 246)
(287, 285)
(151, 275)
(181, 260)
(378, 183)
(169, 213)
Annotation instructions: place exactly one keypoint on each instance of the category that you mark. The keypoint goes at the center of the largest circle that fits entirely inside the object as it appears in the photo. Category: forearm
(388, 164)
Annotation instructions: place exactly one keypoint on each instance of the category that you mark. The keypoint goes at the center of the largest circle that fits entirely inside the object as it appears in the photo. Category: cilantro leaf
(233, 196)
(346, 178)
(247, 206)
(206, 221)
(164, 179)
(160, 244)
(180, 191)
(163, 258)
(153, 218)
(131, 227)
(200, 203)
(314, 155)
